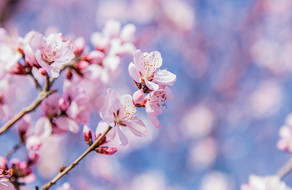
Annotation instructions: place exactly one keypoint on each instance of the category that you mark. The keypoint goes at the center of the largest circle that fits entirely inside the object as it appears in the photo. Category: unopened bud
(33, 143)
(138, 98)
(33, 158)
(82, 65)
(3, 163)
(102, 141)
(64, 104)
(18, 69)
(43, 71)
(87, 135)
(106, 150)
(79, 45)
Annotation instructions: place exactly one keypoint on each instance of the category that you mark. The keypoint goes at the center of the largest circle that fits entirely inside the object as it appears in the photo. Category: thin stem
(15, 148)
(286, 168)
(67, 169)
(42, 95)
(36, 82)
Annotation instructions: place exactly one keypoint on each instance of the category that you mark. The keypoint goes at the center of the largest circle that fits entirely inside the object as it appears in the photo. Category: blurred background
(233, 61)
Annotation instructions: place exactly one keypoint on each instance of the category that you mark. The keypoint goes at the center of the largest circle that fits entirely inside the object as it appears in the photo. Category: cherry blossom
(51, 52)
(263, 183)
(120, 114)
(144, 71)
(154, 101)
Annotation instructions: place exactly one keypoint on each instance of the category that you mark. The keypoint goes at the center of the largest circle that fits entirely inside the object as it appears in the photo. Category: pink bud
(95, 57)
(33, 143)
(106, 150)
(18, 69)
(87, 135)
(103, 140)
(3, 163)
(138, 98)
(82, 65)
(79, 45)
(64, 104)
(33, 158)
(43, 71)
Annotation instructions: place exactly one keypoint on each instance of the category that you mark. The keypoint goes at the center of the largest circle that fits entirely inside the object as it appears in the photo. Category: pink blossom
(87, 135)
(33, 143)
(3, 163)
(51, 52)
(120, 114)
(65, 186)
(106, 150)
(263, 183)
(139, 98)
(144, 71)
(155, 100)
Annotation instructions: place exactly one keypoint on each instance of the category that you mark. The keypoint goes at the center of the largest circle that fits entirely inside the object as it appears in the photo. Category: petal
(66, 123)
(168, 93)
(154, 120)
(134, 73)
(137, 127)
(107, 116)
(138, 59)
(128, 106)
(43, 127)
(113, 103)
(151, 85)
(164, 77)
(101, 128)
(122, 137)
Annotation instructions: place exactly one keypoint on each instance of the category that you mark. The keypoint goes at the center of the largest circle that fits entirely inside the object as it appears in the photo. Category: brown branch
(67, 169)
(15, 148)
(42, 95)
(286, 168)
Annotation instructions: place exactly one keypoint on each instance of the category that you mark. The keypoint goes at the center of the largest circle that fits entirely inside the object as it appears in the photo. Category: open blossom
(145, 71)
(51, 52)
(120, 114)
(154, 101)
(265, 183)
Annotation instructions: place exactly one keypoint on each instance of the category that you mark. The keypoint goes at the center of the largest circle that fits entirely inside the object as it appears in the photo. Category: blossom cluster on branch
(85, 75)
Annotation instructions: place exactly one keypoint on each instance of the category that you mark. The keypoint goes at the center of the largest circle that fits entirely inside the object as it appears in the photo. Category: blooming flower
(51, 52)
(155, 100)
(144, 71)
(264, 183)
(120, 113)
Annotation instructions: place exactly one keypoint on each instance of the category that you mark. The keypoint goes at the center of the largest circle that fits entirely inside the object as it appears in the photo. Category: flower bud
(64, 104)
(43, 71)
(87, 135)
(18, 69)
(82, 65)
(3, 163)
(106, 150)
(138, 98)
(79, 45)
(33, 143)
(33, 158)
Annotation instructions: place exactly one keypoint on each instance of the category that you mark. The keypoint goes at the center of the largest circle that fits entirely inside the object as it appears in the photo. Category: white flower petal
(137, 127)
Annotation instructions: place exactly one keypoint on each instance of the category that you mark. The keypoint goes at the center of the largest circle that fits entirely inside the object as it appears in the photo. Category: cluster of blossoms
(41, 59)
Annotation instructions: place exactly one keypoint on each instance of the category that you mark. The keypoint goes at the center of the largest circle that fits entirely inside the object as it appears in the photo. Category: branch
(15, 148)
(42, 95)
(36, 82)
(67, 169)
(286, 168)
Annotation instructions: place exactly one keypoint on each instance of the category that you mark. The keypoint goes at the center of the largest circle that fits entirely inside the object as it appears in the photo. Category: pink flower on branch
(51, 52)
(120, 114)
(145, 71)
(154, 101)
